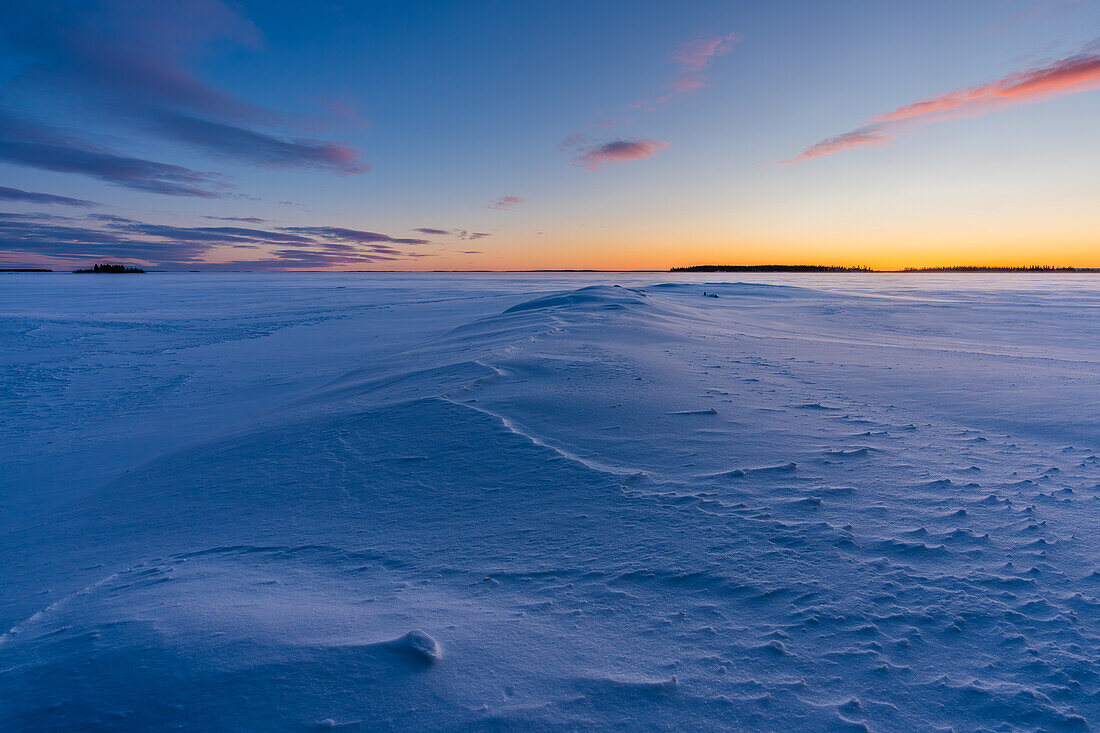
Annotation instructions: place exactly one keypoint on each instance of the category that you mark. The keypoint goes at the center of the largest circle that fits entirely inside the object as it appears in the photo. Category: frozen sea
(549, 502)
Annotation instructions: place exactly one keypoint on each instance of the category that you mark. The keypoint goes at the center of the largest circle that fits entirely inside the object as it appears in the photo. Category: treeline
(832, 268)
(982, 268)
(113, 269)
(769, 268)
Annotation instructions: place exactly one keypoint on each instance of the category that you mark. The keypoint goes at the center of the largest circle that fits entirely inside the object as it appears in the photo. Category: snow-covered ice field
(588, 501)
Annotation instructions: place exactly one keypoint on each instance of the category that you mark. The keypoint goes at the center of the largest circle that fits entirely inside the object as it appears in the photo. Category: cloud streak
(260, 148)
(132, 60)
(134, 52)
(1071, 75)
(119, 170)
(37, 146)
(459, 233)
(33, 197)
(324, 235)
(869, 136)
(34, 237)
(1074, 74)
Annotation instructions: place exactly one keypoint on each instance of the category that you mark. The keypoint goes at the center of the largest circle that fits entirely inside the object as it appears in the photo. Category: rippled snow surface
(513, 502)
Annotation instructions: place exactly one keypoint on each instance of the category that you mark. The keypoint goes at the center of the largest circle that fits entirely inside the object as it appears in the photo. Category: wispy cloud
(602, 155)
(224, 235)
(135, 53)
(133, 61)
(693, 60)
(71, 240)
(246, 219)
(458, 233)
(33, 197)
(1074, 74)
(357, 236)
(260, 148)
(1070, 75)
(32, 145)
(696, 55)
(505, 202)
(871, 135)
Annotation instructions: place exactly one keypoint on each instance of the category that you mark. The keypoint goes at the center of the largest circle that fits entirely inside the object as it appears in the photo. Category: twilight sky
(201, 134)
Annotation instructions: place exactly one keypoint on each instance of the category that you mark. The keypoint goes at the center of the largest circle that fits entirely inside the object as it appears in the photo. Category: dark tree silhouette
(111, 269)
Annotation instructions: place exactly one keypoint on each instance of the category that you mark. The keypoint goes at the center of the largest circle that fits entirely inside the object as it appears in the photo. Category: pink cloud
(1074, 74)
(861, 138)
(1071, 75)
(505, 202)
(618, 151)
(692, 60)
(574, 141)
(687, 84)
(695, 56)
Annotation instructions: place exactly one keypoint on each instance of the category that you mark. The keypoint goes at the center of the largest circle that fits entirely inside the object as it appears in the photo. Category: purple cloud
(260, 148)
(247, 219)
(132, 60)
(46, 239)
(505, 202)
(601, 156)
(135, 173)
(342, 235)
(26, 143)
(459, 233)
(32, 197)
(133, 51)
(228, 235)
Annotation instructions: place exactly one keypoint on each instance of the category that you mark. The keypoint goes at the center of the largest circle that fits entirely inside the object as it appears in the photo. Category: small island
(111, 269)
(770, 268)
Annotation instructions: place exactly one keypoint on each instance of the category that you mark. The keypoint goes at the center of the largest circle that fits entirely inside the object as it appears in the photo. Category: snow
(554, 501)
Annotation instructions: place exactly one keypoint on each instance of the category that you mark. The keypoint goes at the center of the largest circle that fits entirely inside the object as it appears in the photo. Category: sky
(412, 135)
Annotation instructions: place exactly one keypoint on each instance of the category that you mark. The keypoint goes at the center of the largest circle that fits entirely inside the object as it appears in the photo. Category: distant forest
(979, 268)
(112, 269)
(769, 268)
(831, 268)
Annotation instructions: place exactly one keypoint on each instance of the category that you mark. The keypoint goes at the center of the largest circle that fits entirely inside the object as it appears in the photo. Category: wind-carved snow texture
(862, 503)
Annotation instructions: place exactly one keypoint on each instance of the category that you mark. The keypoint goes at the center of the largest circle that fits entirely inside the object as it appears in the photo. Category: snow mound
(419, 645)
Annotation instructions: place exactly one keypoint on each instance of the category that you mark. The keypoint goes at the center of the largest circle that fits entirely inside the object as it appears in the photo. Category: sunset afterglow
(423, 136)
